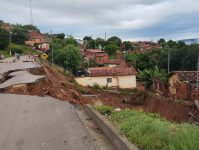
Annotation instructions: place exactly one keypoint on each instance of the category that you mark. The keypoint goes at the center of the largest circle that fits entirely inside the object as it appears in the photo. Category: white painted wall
(117, 81)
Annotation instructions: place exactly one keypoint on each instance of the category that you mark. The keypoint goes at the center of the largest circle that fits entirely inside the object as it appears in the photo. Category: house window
(109, 80)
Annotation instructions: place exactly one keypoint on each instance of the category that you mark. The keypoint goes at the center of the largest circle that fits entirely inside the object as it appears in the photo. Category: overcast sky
(128, 19)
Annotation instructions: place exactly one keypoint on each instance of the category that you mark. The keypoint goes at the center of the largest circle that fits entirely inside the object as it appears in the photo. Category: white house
(122, 77)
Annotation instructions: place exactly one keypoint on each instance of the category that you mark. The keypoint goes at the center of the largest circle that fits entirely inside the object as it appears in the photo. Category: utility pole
(10, 40)
(168, 61)
(51, 42)
(31, 15)
(105, 36)
(197, 73)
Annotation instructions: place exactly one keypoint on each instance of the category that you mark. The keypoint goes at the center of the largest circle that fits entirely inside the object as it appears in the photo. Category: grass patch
(151, 132)
(104, 109)
(17, 48)
(6, 53)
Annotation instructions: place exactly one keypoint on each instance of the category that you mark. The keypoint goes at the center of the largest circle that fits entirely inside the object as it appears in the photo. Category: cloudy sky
(129, 19)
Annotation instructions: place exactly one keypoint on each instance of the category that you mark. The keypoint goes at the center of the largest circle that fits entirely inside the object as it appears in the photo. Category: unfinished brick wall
(140, 86)
(182, 90)
(160, 87)
(194, 93)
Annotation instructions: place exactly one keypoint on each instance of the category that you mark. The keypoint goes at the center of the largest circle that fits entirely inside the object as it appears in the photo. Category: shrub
(96, 86)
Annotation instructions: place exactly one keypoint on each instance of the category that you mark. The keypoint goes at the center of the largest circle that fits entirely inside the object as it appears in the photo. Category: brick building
(182, 84)
(98, 55)
(145, 45)
(38, 41)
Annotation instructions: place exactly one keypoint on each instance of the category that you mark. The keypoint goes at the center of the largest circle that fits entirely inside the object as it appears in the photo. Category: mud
(171, 110)
(62, 87)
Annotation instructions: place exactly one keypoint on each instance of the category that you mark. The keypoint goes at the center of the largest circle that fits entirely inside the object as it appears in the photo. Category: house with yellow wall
(120, 77)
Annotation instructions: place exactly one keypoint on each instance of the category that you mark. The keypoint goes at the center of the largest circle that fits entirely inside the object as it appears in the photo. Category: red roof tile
(190, 76)
(108, 71)
(95, 50)
(114, 61)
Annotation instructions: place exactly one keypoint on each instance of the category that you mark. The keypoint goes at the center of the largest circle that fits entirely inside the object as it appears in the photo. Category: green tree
(58, 43)
(100, 43)
(111, 49)
(148, 75)
(162, 42)
(181, 44)
(28, 27)
(4, 39)
(91, 44)
(70, 41)
(87, 38)
(19, 35)
(115, 40)
(127, 45)
(60, 36)
(172, 44)
(69, 58)
(1, 23)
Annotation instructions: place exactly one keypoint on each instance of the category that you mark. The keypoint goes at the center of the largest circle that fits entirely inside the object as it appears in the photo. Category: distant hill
(191, 41)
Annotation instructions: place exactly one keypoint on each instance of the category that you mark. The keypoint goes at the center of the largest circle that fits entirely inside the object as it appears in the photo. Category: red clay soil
(115, 100)
(56, 85)
(172, 111)
(64, 88)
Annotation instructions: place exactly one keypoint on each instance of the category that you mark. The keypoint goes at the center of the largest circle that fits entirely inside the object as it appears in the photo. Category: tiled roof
(108, 71)
(95, 50)
(34, 34)
(114, 61)
(190, 76)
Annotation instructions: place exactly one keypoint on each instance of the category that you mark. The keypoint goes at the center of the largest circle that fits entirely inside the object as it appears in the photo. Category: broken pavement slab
(6, 67)
(20, 77)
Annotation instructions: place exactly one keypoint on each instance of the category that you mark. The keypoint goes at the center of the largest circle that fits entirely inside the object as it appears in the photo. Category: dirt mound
(172, 110)
(56, 85)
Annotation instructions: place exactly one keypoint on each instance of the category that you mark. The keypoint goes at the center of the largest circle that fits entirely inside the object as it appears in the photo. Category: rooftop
(95, 50)
(190, 76)
(114, 61)
(108, 71)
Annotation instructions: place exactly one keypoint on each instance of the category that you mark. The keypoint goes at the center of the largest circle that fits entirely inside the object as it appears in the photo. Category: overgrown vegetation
(17, 48)
(150, 132)
(153, 64)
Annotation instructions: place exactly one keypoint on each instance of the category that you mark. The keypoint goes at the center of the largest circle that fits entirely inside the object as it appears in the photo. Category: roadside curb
(119, 141)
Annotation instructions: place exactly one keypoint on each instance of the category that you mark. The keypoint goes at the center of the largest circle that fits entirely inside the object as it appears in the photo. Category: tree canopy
(115, 40)
(111, 49)
(69, 57)
(70, 41)
(100, 43)
(127, 45)
(4, 39)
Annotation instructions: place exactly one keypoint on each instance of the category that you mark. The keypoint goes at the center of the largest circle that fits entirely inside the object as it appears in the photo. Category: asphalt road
(20, 77)
(36, 123)
(5, 67)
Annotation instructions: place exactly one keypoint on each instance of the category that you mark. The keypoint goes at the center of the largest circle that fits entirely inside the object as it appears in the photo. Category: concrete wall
(117, 81)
